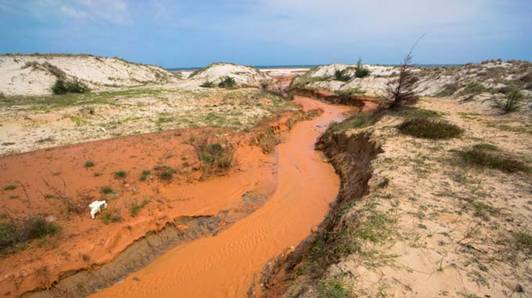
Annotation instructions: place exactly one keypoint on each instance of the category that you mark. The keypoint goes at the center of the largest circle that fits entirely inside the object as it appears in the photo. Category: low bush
(144, 175)
(88, 164)
(14, 236)
(482, 156)
(361, 71)
(448, 90)
(165, 172)
(332, 288)
(216, 157)
(429, 129)
(120, 174)
(522, 240)
(342, 75)
(64, 87)
(8, 187)
(227, 82)
(207, 84)
(106, 190)
(135, 208)
(473, 88)
(512, 102)
(110, 216)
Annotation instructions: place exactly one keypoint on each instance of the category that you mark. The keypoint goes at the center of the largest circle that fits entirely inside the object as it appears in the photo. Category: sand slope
(36, 74)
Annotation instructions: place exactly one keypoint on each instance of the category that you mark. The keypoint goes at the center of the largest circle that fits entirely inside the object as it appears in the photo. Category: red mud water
(224, 265)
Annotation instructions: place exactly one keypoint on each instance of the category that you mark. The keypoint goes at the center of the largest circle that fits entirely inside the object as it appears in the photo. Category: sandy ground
(443, 228)
(32, 123)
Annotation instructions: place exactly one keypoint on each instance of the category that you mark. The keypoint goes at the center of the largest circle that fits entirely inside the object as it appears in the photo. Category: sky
(189, 33)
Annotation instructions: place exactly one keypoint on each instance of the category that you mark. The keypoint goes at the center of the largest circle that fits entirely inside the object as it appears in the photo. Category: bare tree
(402, 90)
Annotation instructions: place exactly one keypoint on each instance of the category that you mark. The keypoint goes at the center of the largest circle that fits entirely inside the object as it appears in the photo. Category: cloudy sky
(184, 33)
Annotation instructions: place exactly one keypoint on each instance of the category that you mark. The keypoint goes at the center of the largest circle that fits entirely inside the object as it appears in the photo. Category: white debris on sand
(96, 207)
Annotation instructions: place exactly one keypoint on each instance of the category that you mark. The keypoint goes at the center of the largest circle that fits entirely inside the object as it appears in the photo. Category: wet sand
(224, 265)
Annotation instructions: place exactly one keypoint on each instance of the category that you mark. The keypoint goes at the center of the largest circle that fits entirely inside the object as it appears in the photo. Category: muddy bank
(351, 156)
(145, 250)
(224, 265)
(56, 184)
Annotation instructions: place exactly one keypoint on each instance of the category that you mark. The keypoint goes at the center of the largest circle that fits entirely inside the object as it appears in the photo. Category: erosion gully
(226, 264)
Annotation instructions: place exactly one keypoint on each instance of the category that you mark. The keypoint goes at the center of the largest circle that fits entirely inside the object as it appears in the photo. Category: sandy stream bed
(298, 183)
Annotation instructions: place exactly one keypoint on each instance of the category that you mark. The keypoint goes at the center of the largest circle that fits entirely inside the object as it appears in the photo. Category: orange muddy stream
(224, 265)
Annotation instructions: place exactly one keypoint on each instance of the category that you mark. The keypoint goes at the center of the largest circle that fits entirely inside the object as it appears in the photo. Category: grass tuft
(110, 216)
(15, 236)
(88, 164)
(145, 175)
(106, 190)
(165, 173)
(120, 174)
(135, 208)
(429, 129)
(488, 157)
(8, 187)
(332, 288)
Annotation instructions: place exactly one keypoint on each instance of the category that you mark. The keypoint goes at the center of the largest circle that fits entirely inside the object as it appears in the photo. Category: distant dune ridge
(36, 74)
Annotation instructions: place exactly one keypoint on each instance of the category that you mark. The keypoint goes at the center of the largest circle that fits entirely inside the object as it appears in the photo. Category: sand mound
(36, 74)
(243, 75)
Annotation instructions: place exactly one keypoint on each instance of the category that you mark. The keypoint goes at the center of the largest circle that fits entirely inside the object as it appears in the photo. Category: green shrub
(513, 101)
(215, 157)
(429, 129)
(332, 288)
(64, 87)
(38, 227)
(106, 190)
(482, 156)
(207, 84)
(342, 75)
(10, 187)
(448, 90)
(14, 236)
(9, 236)
(227, 82)
(135, 208)
(144, 175)
(360, 70)
(88, 164)
(110, 216)
(522, 241)
(120, 174)
(165, 172)
(473, 88)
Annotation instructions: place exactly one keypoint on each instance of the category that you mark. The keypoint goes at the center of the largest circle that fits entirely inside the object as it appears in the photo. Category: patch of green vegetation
(64, 87)
(75, 99)
(448, 90)
(483, 210)
(165, 172)
(332, 288)
(120, 174)
(473, 88)
(302, 81)
(228, 83)
(492, 158)
(135, 208)
(359, 120)
(88, 164)
(512, 102)
(342, 75)
(522, 241)
(78, 120)
(106, 190)
(110, 216)
(207, 84)
(215, 157)
(15, 236)
(345, 237)
(145, 175)
(413, 112)
(8, 187)
(429, 129)
(361, 71)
